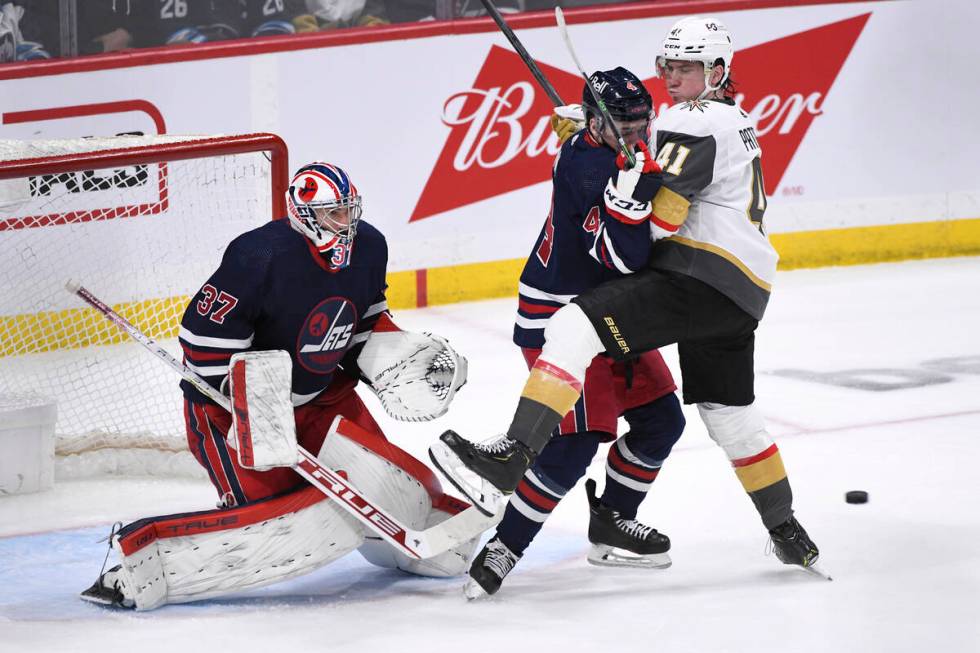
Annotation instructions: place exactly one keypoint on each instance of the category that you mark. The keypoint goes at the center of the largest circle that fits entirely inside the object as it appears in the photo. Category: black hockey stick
(623, 145)
(528, 61)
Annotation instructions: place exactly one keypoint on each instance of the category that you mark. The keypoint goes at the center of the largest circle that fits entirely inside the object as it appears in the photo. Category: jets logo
(308, 190)
(326, 335)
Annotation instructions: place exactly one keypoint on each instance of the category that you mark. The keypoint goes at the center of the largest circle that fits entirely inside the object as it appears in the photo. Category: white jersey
(711, 205)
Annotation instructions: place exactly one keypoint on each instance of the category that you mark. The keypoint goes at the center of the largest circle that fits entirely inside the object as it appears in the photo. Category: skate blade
(480, 492)
(473, 591)
(601, 555)
(818, 571)
(98, 595)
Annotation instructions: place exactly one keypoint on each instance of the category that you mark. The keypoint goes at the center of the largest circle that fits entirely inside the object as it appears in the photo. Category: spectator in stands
(39, 28)
(333, 14)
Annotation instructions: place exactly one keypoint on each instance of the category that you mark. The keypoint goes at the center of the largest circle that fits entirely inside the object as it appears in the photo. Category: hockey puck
(856, 496)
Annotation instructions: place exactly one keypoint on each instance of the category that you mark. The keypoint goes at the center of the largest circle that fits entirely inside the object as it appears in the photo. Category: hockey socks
(550, 392)
(559, 467)
(764, 479)
(628, 478)
(530, 505)
(741, 432)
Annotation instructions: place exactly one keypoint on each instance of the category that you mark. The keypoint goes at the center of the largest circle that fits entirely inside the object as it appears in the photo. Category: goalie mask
(324, 206)
(704, 40)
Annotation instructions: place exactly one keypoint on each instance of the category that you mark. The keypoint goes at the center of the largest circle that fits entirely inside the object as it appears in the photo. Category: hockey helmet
(323, 205)
(705, 40)
(624, 95)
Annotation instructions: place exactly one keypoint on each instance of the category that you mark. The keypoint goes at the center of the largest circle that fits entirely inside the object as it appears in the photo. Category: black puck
(856, 496)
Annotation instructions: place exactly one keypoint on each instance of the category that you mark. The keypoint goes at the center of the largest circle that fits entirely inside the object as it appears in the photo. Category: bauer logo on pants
(326, 335)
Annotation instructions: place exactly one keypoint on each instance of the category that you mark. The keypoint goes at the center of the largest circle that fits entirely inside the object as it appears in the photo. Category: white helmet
(699, 39)
(314, 196)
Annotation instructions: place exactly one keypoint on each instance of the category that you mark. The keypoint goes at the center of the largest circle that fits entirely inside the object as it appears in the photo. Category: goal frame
(156, 153)
(104, 154)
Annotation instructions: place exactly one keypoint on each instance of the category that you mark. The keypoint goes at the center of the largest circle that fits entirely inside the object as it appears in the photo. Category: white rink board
(885, 145)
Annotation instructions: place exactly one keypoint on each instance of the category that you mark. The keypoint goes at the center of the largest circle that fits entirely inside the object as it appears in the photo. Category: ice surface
(869, 378)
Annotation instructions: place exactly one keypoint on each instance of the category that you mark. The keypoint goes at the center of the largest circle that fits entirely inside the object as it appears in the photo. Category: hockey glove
(566, 121)
(629, 192)
(415, 375)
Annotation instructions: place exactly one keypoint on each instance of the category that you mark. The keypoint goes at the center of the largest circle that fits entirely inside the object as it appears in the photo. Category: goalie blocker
(195, 556)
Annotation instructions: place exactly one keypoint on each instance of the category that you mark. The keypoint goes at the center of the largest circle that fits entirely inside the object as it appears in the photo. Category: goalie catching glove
(415, 375)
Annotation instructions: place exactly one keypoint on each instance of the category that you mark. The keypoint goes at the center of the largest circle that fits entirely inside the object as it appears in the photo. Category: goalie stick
(519, 48)
(418, 544)
(563, 28)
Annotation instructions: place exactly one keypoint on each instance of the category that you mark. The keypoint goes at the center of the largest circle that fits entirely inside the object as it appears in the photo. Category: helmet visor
(339, 217)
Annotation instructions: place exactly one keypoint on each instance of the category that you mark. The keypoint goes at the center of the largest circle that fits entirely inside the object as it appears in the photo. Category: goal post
(143, 221)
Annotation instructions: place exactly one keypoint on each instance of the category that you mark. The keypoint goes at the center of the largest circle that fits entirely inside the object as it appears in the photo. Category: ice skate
(489, 569)
(793, 546)
(484, 472)
(108, 591)
(618, 542)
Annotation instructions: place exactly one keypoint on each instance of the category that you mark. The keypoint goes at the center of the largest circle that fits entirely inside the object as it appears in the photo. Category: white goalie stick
(623, 145)
(418, 544)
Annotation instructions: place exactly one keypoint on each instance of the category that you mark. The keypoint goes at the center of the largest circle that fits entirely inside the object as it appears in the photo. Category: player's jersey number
(671, 161)
(173, 9)
(758, 202)
(548, 237)
(210, 297)
(273, 7)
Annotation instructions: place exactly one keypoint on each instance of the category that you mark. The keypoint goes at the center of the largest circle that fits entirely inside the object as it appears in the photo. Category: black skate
(618, 542)
(107, 591)
(489, 569)
(793, 546)
(483, 472)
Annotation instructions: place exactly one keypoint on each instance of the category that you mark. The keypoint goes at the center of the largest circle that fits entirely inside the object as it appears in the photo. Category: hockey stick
(528, 61)
(418, 544)
(563, 28)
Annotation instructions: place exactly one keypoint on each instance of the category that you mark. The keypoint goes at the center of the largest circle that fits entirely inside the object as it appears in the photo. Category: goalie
(296, 285)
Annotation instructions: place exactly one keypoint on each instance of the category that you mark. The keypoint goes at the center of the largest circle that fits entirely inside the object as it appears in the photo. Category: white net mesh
(142, 238)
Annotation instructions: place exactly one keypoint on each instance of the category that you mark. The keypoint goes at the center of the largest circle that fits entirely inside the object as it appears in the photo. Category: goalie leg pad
(403, 486)
(194, 556)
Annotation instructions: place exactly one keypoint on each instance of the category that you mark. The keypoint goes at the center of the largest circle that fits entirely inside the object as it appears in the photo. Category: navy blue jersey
(274, 291)
(581, 245)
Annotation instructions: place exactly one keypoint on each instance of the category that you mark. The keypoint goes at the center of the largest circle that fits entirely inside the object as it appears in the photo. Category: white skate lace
(499, 559)
(500, 444)
(634, 528)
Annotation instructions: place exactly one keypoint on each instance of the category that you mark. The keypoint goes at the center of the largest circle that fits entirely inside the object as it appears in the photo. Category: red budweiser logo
(500, 141)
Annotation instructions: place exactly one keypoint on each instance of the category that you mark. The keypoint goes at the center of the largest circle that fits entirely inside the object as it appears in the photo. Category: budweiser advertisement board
(447, 135)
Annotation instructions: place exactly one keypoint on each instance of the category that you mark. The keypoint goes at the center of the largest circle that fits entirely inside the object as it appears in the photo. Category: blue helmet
(624, 95)
(323, 204)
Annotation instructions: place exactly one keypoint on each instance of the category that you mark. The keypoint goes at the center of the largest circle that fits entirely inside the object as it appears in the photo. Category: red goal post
(142, 220)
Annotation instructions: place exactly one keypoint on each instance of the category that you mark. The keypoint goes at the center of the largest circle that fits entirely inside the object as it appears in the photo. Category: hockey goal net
(141, 222)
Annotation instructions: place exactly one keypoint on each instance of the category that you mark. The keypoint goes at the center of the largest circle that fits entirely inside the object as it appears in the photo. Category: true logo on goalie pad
(326, 335)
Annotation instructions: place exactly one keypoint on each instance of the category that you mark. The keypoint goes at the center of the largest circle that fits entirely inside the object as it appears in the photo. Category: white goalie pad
(403, 486)
(415, 375)
(202, 555)
(262, 410)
